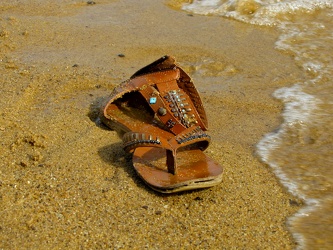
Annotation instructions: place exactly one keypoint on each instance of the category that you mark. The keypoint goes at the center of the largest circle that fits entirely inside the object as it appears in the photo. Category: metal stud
(162, 111)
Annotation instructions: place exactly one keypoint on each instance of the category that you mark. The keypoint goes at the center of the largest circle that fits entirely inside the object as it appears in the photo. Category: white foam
(269, 12)
(298, 109)
(298, 105)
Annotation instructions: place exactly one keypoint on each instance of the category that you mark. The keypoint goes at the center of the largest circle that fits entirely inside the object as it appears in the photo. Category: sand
(65, 181)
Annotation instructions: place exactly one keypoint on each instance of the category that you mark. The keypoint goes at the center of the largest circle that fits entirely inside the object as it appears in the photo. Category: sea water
(300, 152)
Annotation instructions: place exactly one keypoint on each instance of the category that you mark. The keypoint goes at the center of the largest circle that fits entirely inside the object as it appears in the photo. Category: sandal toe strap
(192, 136)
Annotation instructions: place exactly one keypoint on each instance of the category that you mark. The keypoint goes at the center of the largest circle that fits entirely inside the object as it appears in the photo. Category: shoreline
(59, 180)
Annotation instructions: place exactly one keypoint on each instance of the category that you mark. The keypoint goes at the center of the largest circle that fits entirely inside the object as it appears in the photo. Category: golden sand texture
(65, 181)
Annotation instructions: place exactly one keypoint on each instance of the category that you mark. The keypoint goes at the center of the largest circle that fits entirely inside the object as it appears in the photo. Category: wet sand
(65, 181)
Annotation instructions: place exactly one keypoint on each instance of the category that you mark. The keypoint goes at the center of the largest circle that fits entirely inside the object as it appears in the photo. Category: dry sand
(65, 181)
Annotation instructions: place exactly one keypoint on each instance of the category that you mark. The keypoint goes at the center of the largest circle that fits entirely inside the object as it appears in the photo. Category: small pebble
(293, 203)
(121, 55)
(23, 164)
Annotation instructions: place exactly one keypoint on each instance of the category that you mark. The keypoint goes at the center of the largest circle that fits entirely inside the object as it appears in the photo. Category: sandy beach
(65, 181)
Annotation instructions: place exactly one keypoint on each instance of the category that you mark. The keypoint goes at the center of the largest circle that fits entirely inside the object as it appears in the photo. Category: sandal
(163, 122)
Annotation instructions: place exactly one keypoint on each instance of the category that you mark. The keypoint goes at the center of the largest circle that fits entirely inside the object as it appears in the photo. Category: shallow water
(300, 150)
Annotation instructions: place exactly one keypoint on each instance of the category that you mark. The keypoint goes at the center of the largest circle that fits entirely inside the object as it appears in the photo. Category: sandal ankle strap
(169, 92)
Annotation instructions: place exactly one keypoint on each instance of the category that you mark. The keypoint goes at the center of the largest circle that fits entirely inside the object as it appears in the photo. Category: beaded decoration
(180, 108)
(194, 134)
(130, 139)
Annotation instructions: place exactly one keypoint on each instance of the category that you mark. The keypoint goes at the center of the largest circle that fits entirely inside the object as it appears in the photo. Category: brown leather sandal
(164, 123)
